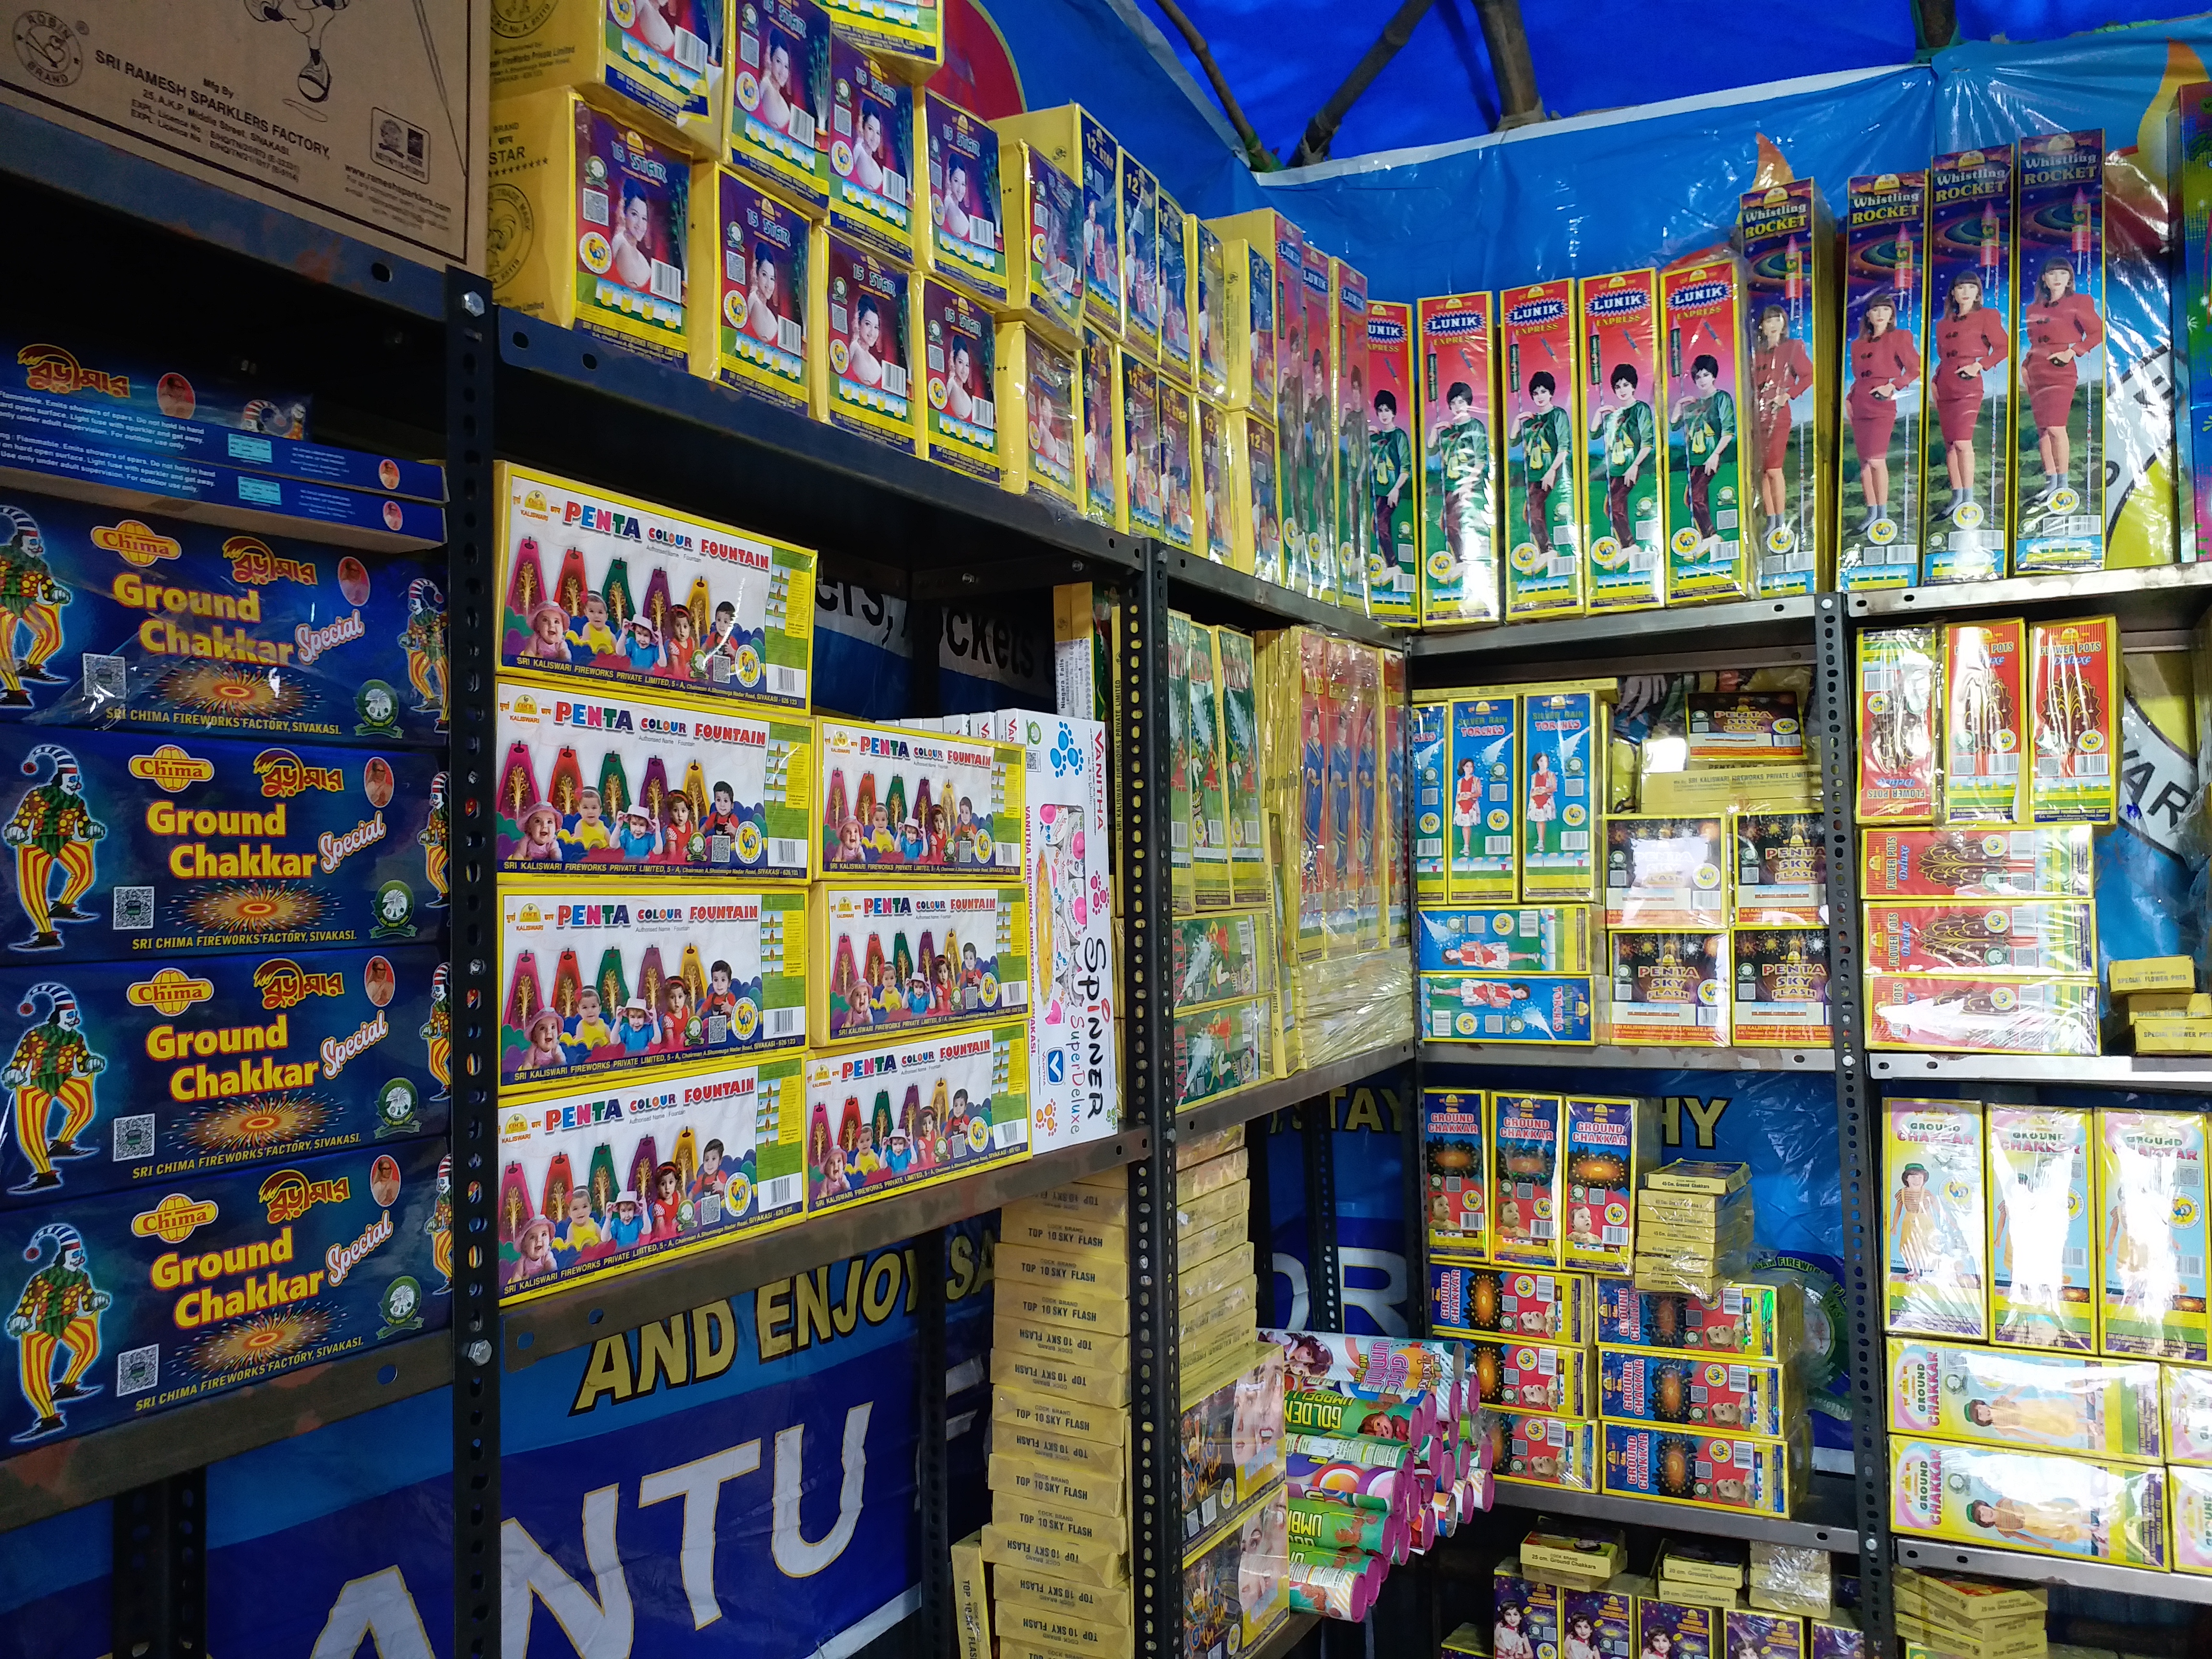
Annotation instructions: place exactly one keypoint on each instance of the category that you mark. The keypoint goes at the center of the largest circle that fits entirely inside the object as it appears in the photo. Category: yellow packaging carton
(1100, 1387)
(2108, 1408)
(2150, 1191)
(1057, 1485)
(2170, 1035)
(2152, 974)
(1098, 378)
(1719, 789)
(908, 35)
(1934, 1228)
(876, 198)
(780, 110)
(752, 324)
(1072, 140)
(971, 1605)
(1041, 202)
(2073, 1506)
(1083, 1561)
(964, 241)
(654, 71)
(593, 214)
(1040, 414)
(1020, 1587)
(869, 308)
(1025, 1409)
(2044, 1236)
(960, 425)
(1249, 269)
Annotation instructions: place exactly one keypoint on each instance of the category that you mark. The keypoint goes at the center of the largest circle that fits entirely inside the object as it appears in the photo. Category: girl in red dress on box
(1970, 339)
(2061, 326)
(1885, 362)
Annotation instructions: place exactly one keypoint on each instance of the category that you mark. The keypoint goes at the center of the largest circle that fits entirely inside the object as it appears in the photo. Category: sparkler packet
(1984, 720)
(2074, 701)
(1899, 671)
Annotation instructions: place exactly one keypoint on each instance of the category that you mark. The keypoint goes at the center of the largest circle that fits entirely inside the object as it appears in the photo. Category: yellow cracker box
(1670, 989)
(964, 241)
(1786, 235)
(874, 192)
(1040, 406)
(1542, 519)
(1102, 1206)
(779, 108)
(900, 959)
(2041, 1402)
(931, 1108)
(2033, 1501)
(660, 70)
(1139, 493)
(2150, 1187)
(2075, 689)
(1781, 999)
(923, 805)
(960, 425)
(2189, 1501)
(1057, 1486)
(1064, 1271)
(1763, 1477)
(1032, 1226)
(1025, 1409)
(1256, 528)
(1351, 529)
(753, 322)
(1258, 252)
(1072, 139)
(1100, 431)
(1022, 1587)
(971, 1606)
(1077, 1310)
(1936, 1274)
(1542, 1307)
(596, 215)
(1531, 1376)
(1744, 788)
(1533, 1449)
(1608, 1138)
(1524, 1139)
(909, 35)
(1141, 306)
(1215, 486)
(1082, 1560)
(2152, 974)
(1178, 250)
(1058, 1344)
(1968, 1603)
(1100, 1387)
(1096, 1459)
(1209, 313)
(869, 309)
(2044, 1235)
(1041, 202)
(1178, 463)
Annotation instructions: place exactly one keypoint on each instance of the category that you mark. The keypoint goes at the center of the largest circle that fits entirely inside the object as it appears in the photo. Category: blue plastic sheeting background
(1284, 59)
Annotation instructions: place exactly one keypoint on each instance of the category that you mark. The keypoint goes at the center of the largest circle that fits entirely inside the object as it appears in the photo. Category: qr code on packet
(106, 679)
(134, 1137)
(138, 1370)
(133, 909)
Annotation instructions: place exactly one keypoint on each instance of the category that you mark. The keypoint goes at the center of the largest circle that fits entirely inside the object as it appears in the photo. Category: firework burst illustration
(255, 1122)
(213, 687)
(248, 1343)
(240, 909)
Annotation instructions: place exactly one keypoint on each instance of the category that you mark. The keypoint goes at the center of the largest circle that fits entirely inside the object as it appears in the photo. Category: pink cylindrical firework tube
(1368, 1366)
(1329, 1411)
(1355, 1486)
(1332, 1592)
(1336, 1526)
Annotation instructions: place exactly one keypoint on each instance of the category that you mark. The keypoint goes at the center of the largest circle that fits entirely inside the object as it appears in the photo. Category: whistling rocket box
(610, 975)
(1969, 305)
(597, 216)
(2043, 1228)
(1460, 442)
(196, 845)
(1037, 391)
(750, 330)
(1751, 1319)
(1885, 300)
(708, 608)
(1141, 259)
(2150, 1181)
(900, 959)
(1479, 792)
(871, 181)
(1354, 532)
(1785, 235)
(1310, 473)
(2046, 936)
(1452, 1140)
(1042, 203)
(1899, 671)
(1687, 1629)
(1426, 736)
(127, 1073)
(1617, 328)
(1987, 1014)
(223, 1280)
(1665, 873)
(1669, 989)
(2075, 687)
(1543, 507)
(961, 798)
(1781, 869)
(1256, 530)
(656, 70)
(1708, 556)
(1214, 486)
(1607, 1139)
(1552, 938)
(908, 34)
(1557, 860)
(2024, 1500)
(1985, 714)
(1543, 1307)
(1178, 453)
(779, 99)
(938, 1105)
(1526, 1190)
(1495, 1007)
(1393, 475)
(1074, 1094)
(1781, 998)
(1209, 313)
(1543, 1451)
(182, 627)
(872, 311)
(1529, 1376)
(1227, 956)
(1175, 324)
(1250, 875)
(2058, 473)
(964, 244)
(1140, 498)
(960, 420)
(2040, 1402)
(590, 781)
(2051, 863)
(1727, 1393)
(594, 1181)
(1936, 1275)
(1720, 1471)
(1250, 266)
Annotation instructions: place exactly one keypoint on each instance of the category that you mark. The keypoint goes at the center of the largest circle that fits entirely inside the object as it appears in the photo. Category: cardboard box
(1762, 1477)
(1752, 1318)
(1727, 1394)
(964, 243)
(2105, 1408)
(1788, 240)
(1559, 737)
(872, 308)
(1936, 1273)
(1141, 303)
(1617, 330)
(1537, 1306)
(1254, 468)
(1689, 1627)
(1608, 1141)
(1985, 708)
(2054, 937)
(398, 112)
(2152, 974)
(1178, 417)
(1251, 875)
(1709, 546)
(2174, 1037)
(1545, 568)
(1533, 1449)
(1898, 690)
(1251, 307)
(1215, 488)
(1669, 989)
(1516, 1376)
(1393, 479)
(972, 825)
(1175, 229)
(1453, 1134)
(2150, 1187)
(751, 328)
(1885, 395)
(2042, 863)
(960, 424)
(2058, 522)
(1042, 202)
(1210, 311)
(1551, 938)
(1775, 789)
(2045, 1236)
(909, 35)
(971, 1605)
(1990, 1014)
(1970, 369)
(1781, 999)
(1508, 1008)
(2075, 681)
(1354, 532)
(1665, 873)
(1462, 442)
(1482, 786)
(874, 184)
(896, 960)
(1039, 402)
(1308, 435)
(2029, 1501)
(960, 1101)
(778, 110)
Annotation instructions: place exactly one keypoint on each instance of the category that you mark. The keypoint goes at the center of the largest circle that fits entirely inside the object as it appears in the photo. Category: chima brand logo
(1696, 296)
(284, 984)
(175, 1220)
(170, 769)
(1618, 302)
(1531, 312)
(287, 1194)
(1455, 322)
(136, 543)
(169, 993)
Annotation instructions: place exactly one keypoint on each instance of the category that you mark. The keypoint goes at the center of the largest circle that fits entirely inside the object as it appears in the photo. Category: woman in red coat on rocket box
(1780, 371)
(2061, 326)
(1885, 363)
(1969, 340)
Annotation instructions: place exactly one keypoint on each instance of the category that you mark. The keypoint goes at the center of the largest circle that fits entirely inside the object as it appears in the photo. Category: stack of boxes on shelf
(2044, 1298)
(1968, 1619)
(2165, 1013)
(2002, 737)
(226, 732)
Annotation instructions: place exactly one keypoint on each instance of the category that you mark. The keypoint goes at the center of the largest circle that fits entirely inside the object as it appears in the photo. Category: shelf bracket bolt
(479, 1353)
(472, 302)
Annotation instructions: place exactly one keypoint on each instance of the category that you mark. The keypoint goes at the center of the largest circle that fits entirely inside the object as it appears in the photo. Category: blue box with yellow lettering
(137, 1303)
(119, 845)
(121, 1073)
(109, 617)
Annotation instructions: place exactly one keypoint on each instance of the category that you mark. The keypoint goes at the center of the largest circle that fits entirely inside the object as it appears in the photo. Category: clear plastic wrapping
(2034, 1501)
